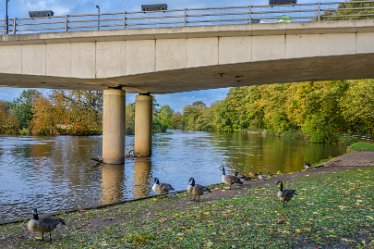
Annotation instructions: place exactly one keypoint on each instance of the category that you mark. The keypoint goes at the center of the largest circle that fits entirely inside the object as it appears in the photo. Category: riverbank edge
(342, 162)
(111, 224)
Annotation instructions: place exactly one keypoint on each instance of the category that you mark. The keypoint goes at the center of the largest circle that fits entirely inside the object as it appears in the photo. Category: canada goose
(307, 165)
(242, 177)
(285, 195)
(43, 224)
(196, 190)
(229, 180)
(130, 154)
(261, 176)
(161, 188)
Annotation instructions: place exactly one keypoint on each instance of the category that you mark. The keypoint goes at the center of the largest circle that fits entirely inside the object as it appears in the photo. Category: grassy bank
(361, 146)
(334, 210)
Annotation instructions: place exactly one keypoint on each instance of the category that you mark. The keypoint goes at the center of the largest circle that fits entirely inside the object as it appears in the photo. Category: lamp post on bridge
(6, 17)
(98, 16)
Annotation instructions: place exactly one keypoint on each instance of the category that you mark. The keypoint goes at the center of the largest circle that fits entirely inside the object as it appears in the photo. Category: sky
(20, 8)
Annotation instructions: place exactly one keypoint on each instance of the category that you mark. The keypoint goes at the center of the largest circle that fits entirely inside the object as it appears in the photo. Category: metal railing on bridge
(252, 14)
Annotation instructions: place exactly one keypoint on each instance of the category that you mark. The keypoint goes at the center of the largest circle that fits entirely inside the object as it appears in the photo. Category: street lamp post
(6, 17)
(98, 16)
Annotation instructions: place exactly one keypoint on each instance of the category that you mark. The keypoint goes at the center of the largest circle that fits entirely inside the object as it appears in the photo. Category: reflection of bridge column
(111, 183)
(113, 126)
(143, 125)
(142, 169)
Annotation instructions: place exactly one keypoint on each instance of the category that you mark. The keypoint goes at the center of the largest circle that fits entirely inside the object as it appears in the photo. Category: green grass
(361, 146)
(330, 210)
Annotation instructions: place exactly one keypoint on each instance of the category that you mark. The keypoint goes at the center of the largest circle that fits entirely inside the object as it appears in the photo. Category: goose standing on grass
(43, 224)
(307, 165)
(261, 176)
(242, 177)
(229, 180)
(285, 195)
(161, 188)
(190, 186)
(196, 190)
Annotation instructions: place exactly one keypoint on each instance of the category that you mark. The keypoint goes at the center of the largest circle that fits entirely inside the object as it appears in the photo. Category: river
(56, 173)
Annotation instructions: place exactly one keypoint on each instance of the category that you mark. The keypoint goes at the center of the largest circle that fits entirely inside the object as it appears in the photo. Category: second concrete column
(143, 125)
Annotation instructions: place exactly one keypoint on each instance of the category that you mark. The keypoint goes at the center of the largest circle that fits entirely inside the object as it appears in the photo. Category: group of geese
(46, 224)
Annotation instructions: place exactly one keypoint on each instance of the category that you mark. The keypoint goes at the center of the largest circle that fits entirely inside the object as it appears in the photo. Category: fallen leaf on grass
(259, 225)
(281, 221)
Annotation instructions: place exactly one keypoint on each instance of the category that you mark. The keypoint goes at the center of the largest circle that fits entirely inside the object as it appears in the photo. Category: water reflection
(111, 183)
(141, 181)
(259, 153)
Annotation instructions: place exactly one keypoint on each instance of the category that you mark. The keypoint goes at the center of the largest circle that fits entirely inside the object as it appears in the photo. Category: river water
(56, 173)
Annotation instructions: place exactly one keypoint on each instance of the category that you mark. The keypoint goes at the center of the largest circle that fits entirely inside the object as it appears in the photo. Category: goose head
(223, 170)
(35, 214)
(156, 181)
(192, 181)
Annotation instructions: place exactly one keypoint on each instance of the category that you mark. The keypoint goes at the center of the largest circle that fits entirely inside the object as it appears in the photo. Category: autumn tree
(8, 122)
(44, 118)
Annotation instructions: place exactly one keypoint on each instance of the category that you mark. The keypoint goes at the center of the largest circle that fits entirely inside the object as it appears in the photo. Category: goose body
(189, 186)
(285, 195)
(307, 165)
(261, 176)
(130, 154)
(43, 224)
(229, 180)
(196, 190)
(161, 188)
(242, 177)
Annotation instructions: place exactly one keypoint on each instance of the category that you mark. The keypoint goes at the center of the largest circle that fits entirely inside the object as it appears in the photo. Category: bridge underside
(358, 66)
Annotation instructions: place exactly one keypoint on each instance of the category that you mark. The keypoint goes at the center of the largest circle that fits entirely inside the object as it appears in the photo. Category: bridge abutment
(143, 125)
(113, 126)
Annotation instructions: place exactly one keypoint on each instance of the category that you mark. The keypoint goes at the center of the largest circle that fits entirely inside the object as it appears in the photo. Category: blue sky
(20, 8)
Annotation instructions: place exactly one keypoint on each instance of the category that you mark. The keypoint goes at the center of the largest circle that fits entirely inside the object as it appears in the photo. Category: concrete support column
(143, 125)
(114, 126)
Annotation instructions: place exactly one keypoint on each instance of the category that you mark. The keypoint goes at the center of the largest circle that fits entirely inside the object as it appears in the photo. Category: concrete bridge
(166, 60)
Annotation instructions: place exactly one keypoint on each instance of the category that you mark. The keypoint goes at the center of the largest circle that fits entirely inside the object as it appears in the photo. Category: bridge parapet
(251, 14)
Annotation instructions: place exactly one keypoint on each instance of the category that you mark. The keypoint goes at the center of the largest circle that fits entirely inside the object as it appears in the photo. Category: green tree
(165, 117)
(357, 107)
(351, 10)
(22, 107)
(130, 119)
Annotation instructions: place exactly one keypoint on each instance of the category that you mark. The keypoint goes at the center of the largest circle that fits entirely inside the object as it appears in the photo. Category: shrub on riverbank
(330, 210)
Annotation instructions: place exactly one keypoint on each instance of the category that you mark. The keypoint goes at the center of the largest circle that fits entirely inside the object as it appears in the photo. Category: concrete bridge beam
(113, 126)
(143, 125)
